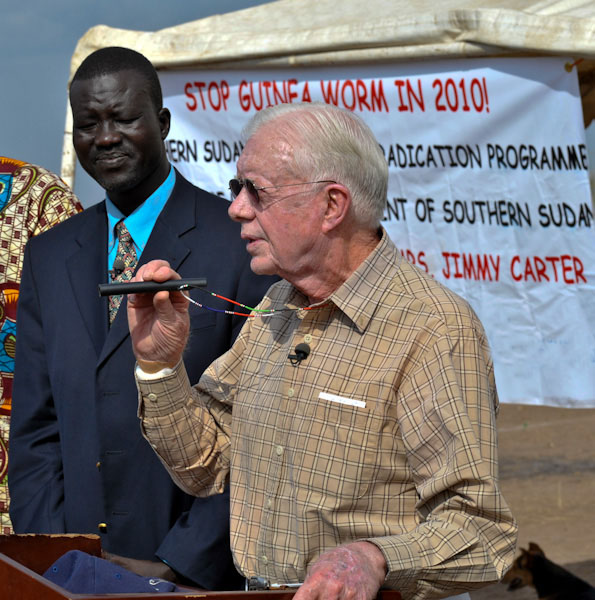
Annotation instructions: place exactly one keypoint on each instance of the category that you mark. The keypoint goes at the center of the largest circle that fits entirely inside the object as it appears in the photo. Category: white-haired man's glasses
(236, 186)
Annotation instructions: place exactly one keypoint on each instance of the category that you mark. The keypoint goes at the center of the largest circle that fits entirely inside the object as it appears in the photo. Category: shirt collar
(359, 296)
(139, 223)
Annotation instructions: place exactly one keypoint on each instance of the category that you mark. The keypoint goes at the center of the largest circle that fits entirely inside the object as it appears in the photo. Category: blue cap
(82, 573)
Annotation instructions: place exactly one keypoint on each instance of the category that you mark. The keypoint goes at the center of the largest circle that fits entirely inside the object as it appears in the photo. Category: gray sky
(37, 41)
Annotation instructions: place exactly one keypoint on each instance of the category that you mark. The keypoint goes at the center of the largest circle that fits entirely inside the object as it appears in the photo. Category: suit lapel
(177, 217)
(83, 266)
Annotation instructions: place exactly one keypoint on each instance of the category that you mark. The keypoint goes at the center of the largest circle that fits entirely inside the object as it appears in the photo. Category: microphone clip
(302, 351)
(117, 268)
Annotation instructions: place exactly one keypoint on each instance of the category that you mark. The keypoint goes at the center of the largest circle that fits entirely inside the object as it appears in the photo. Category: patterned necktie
(126, 257)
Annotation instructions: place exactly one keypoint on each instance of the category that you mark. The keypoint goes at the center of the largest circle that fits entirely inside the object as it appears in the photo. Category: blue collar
(139, 223)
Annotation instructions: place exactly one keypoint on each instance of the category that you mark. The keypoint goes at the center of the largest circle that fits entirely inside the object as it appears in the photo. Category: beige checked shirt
(386, 433)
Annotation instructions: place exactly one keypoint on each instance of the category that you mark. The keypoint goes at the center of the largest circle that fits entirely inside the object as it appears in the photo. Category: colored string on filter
(254, 312)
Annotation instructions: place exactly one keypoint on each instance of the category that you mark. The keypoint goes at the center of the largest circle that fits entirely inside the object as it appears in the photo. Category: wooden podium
(23, 559)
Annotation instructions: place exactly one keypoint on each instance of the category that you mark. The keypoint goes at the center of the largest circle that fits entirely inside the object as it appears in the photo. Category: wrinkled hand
(350, 572)
(145, 568)
(159, 323)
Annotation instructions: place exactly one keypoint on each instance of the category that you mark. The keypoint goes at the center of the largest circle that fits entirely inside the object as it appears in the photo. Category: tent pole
(68, 166)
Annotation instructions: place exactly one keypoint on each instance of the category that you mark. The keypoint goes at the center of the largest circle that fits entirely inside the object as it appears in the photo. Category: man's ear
(338, 203)
(164, 117)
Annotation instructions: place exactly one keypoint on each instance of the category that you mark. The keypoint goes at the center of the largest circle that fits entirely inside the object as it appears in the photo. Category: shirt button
(279, 450)
(102, 527)
(290, 392)
(264, 559)
(152, 397)
(269, 503)
(307, 338)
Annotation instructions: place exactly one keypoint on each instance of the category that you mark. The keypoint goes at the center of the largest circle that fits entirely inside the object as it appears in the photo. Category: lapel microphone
(302, 351)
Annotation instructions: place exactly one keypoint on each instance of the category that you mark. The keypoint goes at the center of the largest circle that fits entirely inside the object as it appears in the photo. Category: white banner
(488, 190)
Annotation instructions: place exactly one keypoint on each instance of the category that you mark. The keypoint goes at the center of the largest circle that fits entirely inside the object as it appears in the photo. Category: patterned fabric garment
(385, 432)
(126, 258)
(32, 200)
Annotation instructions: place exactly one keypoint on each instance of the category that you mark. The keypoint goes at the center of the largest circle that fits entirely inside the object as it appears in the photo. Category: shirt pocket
(339, 448)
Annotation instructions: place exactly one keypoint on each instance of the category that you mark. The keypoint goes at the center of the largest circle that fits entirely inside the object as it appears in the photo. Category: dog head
(520, 573)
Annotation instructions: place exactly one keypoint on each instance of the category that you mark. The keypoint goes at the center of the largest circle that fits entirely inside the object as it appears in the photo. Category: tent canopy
(317, 32)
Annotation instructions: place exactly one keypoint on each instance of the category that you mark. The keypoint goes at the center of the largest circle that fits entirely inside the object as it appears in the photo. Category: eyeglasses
(236, 185)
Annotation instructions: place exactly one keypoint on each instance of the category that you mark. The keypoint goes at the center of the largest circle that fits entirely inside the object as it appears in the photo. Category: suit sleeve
(35, 474)
(197, 546)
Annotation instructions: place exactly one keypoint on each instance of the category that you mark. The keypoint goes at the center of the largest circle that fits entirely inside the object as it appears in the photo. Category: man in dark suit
(78, 461)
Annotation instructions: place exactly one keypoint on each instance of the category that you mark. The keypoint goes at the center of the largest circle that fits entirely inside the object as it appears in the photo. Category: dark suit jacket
(77, 458)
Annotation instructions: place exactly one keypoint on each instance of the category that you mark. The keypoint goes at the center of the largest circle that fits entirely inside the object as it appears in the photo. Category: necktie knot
(122, 233)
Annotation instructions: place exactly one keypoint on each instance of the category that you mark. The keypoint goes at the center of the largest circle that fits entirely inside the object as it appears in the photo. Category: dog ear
(535, 549)
(524, 560)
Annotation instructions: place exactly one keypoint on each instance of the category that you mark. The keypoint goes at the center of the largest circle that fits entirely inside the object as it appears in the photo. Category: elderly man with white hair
(354, 417)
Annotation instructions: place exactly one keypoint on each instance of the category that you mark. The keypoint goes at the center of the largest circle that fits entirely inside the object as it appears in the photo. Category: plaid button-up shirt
(385, 432)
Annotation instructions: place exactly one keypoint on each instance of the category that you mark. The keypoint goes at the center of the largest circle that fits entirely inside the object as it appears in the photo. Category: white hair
(332, 143)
